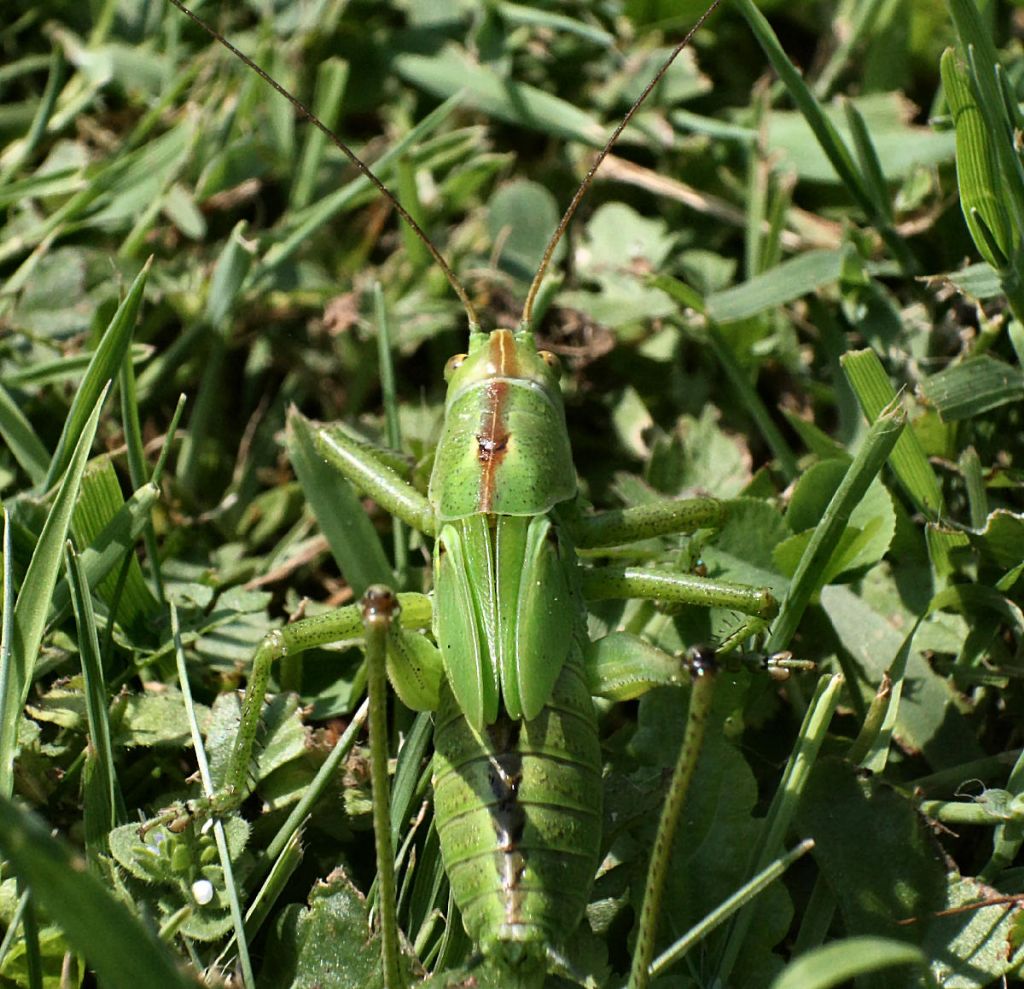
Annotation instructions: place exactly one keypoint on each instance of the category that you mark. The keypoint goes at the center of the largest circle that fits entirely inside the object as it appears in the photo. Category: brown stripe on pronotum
(493, 438)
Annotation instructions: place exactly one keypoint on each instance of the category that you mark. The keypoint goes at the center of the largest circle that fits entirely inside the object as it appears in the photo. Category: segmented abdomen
(518, 813)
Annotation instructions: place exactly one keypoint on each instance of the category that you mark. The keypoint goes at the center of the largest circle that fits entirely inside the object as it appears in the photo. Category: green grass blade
(33, 603)
(248, 980)
(22, 150)
(124, 953)
(389, 395)
(452, 72)
(102, 798)
(7, 619)
(137, 464)
(825, 132)
(871, 385)
(753, 403)
(21, 439)
(877, 446)
(977, 169)
(977, 48)
(331, 78)
(744, 895)
(782, 284)
(972, 387)
(229, 274)
(104, 367)
(306, 223)
(326, 775)
(867, 156)
(779, 818)
(114, 542)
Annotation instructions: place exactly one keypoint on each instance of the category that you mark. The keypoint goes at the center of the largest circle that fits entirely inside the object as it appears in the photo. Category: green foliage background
(755, 274)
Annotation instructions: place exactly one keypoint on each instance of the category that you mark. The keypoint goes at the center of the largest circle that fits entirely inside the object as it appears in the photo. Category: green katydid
(507, 665)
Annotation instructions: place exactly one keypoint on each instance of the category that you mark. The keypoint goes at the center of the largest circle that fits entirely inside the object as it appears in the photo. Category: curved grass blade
(834, 964)
(103, 368)
(877, 446)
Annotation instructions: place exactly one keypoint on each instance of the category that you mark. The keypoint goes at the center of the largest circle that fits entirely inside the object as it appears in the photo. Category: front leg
(367, 471)
(618, 526)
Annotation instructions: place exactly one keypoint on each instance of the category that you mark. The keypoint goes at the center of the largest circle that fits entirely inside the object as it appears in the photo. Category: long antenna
(460, 290)
(531, 296)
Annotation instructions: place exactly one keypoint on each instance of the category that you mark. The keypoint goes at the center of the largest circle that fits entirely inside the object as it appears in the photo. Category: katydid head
(505, 355)
(504, 449)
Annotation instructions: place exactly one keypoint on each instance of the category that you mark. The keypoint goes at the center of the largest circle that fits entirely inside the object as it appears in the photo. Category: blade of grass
(33, 603)
(103, 801)
(229, 274)
(874, 392)
(972, 387)
(248, 981)
(389, 397)
(875, 450)
(137, 466)
(21, 439)
(780, 814)
(306, 223)
(103, 367)
(116, 540)
(331, 79)
(727, 908)
(827, 135)
(353, 540)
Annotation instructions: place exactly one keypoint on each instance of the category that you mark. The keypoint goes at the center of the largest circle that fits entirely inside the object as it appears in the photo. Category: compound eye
(550, 359)
(454, 363)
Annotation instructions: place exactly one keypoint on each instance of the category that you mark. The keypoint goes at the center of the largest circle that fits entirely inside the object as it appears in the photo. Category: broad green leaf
(329, 940)
(836, 963)
(785, 283)
(877, 825)
(975, 948)
(520, 217)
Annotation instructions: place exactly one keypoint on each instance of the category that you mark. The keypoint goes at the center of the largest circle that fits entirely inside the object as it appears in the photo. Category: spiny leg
(620, 526)
(660, 518)
(611, 582)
